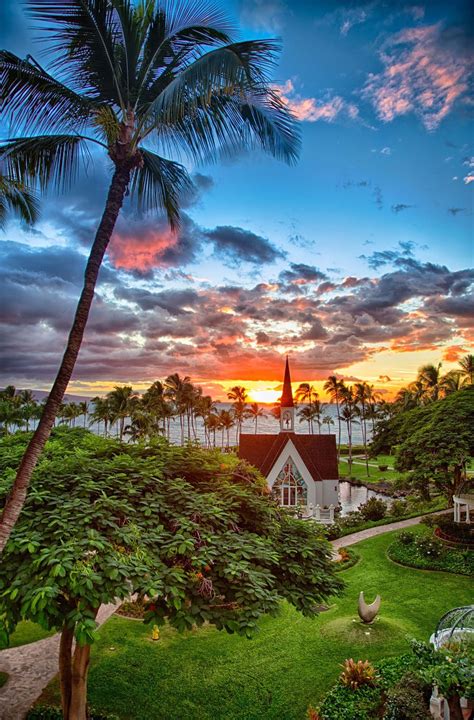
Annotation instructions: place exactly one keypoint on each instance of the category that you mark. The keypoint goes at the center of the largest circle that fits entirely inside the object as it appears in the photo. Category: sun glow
(264, 396)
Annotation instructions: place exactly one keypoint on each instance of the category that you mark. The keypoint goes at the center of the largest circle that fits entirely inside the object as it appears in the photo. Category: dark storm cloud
(299, 272)
(234, 245)
(54, 265)
(174, 301)
(379, 258)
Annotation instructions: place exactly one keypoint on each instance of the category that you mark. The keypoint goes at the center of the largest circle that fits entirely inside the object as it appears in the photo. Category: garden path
(30, 668)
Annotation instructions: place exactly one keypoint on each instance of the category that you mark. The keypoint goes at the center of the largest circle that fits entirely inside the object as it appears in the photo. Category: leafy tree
(192, 530)
(136, 81)
(436, 441)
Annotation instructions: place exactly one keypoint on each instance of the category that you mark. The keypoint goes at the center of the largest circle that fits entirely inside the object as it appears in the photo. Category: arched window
(289, 489)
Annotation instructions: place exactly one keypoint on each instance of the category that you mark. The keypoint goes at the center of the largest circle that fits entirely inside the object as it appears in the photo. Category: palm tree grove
(237, 369)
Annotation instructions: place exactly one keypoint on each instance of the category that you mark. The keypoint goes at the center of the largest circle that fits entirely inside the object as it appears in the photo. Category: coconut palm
(102, 412)
(122, 400)
(349, 414)
(430, 378)
(18, 199)
(226, 420)
(239, 395)
(451, 382)
(83, 409)
(307, 394)
(125, 78)
(254, 412)
(333, 386)
(362, 396)
(306, 414)
(466, 365)
(327, 420)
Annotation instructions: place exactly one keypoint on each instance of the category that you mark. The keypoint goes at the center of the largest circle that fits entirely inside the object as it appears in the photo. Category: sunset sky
(357, 261)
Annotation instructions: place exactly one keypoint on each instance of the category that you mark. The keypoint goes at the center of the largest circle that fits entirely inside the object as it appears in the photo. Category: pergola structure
(463, 504)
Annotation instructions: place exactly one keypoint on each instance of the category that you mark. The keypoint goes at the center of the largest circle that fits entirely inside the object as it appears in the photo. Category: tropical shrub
(342, 703)
(428, 546)
(373, 509)
(398, 508)
(408, 699)
(355, 674)
(449, 560)
(406, 537)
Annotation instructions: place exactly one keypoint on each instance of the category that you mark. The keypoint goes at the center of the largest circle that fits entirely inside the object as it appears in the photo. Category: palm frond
(177, 34)
(18, 199)
(43, 159)
(232, 123)
(33, 99)
(238, 67)
(159, 185)
(83, 36)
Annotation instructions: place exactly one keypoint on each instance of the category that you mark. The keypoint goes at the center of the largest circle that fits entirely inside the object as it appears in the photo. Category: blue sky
(358, 260)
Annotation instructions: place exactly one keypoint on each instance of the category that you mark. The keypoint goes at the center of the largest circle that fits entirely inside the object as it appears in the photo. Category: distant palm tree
(83, 407)
(239, 395)
(362, 398)
(430, 378)
(122, 400)
(349, 414)
(132, 76)
(333, 386)
(306, 414)
(254, 412)
(466, 365)
(451, 382)
(327, 420)
(16, 197)
(102, 412)
(226, 422)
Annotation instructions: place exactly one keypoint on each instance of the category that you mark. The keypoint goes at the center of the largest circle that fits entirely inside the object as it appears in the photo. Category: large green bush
(427, 553)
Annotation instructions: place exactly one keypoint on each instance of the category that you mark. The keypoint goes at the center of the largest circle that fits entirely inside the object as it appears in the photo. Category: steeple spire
(287, 406)
(287, 394)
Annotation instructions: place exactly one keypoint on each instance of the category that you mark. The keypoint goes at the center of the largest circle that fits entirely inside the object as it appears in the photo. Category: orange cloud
(423, 74)
(453, 353)
(142, 254)
(311, 109)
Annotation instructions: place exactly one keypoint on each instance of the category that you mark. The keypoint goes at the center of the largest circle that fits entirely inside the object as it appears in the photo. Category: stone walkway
(378, 530)
(31, 667)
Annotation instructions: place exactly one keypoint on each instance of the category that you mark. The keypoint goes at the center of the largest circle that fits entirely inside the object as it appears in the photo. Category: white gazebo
(463, 503)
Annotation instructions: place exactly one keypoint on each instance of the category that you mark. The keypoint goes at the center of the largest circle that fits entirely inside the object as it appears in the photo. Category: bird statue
(368, 613)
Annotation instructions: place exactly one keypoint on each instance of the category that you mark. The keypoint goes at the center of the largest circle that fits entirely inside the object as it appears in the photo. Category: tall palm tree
(362, 398)
(239, 395)
(466, 365)
(349, 415)
(17, 198)
(306, 414)
(451, 382)
(102, 412)
(83, 409)
(334, 387)
(126, 77)
(254, 412)
(226, 422)
(327, 420)
(430, 378)
(122, 400)
(307, 394)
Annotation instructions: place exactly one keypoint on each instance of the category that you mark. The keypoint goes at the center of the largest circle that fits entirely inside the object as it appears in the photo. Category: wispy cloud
(425, 71)
(312, 109)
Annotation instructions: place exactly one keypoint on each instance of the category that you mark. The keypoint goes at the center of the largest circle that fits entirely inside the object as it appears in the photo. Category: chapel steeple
(287, 406)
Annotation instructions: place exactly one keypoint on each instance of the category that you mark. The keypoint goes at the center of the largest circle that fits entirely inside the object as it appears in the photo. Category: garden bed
(426, 552)
(349, 557)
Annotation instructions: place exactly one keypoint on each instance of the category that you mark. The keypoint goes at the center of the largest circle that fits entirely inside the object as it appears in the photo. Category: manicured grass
(359, 471)
(3, 678)
(207, 675)
(26, 632)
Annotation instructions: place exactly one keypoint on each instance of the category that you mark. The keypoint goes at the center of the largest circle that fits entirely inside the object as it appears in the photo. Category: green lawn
(26, 632)
(359, 471)
(207, 675)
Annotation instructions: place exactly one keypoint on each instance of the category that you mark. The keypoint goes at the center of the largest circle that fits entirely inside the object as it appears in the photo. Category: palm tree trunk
(17, 496)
